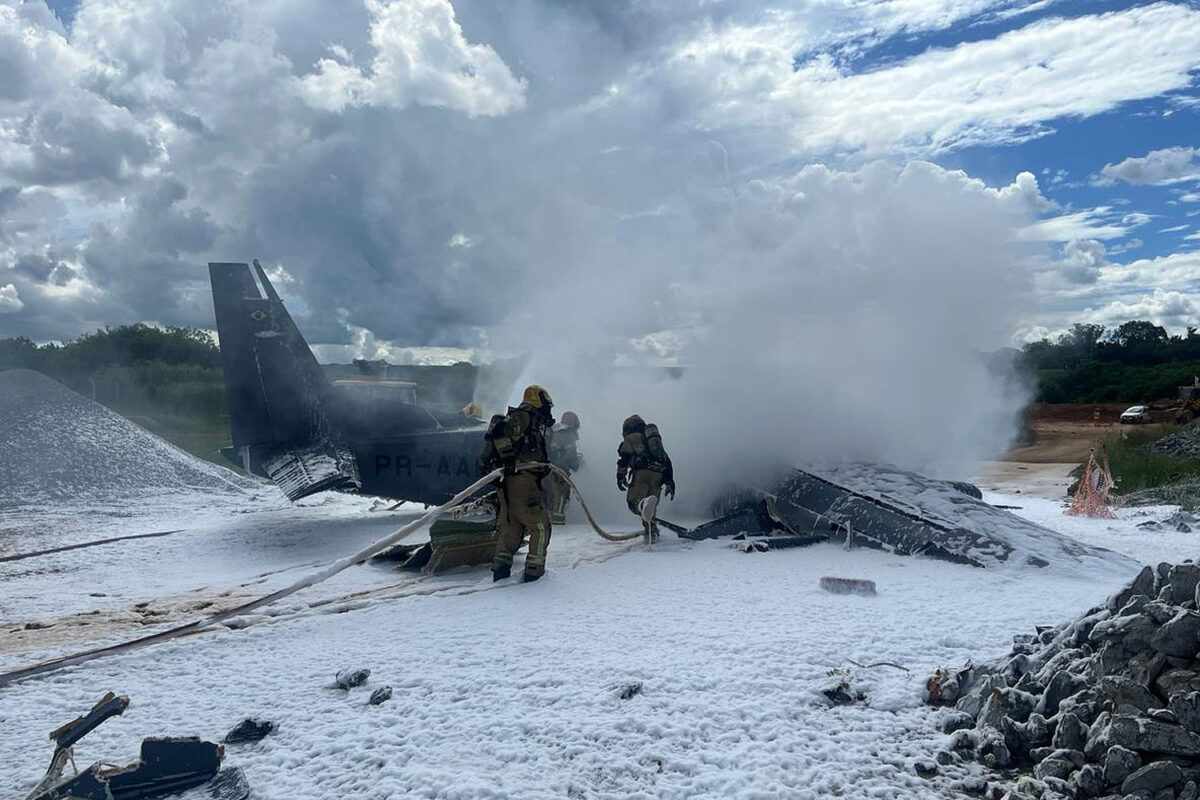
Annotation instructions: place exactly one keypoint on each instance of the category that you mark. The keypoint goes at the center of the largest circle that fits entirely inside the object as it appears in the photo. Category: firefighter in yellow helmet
(643, 470)
(564, 453)
(513, 440)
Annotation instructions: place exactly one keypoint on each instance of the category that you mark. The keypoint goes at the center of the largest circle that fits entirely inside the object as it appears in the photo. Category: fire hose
(323, 574)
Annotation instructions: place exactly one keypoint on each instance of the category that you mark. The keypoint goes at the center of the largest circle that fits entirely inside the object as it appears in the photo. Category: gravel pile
(1106, 706)
(1183, 443)
(56, 444)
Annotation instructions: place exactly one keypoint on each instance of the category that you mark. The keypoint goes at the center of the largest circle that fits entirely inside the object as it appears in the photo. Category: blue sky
(1069, 157)
(448, 155)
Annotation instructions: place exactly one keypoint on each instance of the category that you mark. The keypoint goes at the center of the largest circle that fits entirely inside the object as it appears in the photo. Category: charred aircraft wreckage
(294, 426)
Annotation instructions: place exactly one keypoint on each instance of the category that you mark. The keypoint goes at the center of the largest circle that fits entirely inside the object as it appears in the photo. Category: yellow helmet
(536, 396)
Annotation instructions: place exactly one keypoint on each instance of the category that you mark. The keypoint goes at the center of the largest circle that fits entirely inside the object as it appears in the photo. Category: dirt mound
(56, 444)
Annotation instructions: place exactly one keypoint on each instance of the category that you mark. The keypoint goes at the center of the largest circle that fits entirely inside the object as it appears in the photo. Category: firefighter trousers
(522, 513)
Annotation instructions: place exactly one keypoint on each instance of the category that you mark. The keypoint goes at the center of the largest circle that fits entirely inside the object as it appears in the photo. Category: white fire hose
(323, 574)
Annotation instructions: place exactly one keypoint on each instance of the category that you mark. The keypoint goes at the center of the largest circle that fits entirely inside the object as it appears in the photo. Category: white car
(1135, 414)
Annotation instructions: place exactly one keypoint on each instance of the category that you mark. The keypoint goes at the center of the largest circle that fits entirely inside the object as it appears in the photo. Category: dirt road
(1063, 437)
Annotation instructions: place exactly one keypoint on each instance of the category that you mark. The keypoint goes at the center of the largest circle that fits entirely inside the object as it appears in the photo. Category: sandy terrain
(1064, 435)
(1048, 480)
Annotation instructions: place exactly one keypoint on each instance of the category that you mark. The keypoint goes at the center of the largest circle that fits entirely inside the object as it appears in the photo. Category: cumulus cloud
(1082, 260)
(421, 57)
(426, 155)
(1158, 167)
(1171, 309)
(10, 300)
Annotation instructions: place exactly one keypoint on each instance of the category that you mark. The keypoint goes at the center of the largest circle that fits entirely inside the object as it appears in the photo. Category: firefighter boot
(648, 507)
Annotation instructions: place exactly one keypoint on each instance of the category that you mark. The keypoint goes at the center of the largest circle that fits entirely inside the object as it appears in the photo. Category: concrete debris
(348, 679)
(1153, 778)
(251, 729)
(1105, 705)
(1183, 443)
(847, 586)
(380, 696)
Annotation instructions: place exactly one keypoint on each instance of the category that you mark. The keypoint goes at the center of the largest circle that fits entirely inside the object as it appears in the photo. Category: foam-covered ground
(511, 690)
(501, 690)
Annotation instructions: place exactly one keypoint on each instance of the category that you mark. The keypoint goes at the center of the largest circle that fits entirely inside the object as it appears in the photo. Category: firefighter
(473, 412)
(564, 452)
(512, 440)
(643, 471)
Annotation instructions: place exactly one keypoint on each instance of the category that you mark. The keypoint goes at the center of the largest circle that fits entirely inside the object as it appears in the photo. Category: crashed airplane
(291, 424)
(294, 426)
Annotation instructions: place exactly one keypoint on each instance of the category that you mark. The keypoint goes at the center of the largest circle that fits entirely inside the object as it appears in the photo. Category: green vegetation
(1135, 466)
(1136, 362)
(1100, 382)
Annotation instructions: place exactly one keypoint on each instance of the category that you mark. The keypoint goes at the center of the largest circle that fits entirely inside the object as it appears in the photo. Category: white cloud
(1091, 223)
(158, 134)
(1125, 246)
(1193, 237)
(421, 58)
(1122, 292)
(1190, 197)
(1171, 309)
(10, 300)
(1175, 228)
(998, 90)
(1082, 260)
(1158, 168)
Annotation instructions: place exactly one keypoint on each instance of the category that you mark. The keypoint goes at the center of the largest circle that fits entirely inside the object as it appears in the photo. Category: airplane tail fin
(275, 389)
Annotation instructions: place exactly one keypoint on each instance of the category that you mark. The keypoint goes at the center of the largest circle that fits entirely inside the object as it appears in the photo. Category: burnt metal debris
(166, 764)
(251, 729)
(884, 508)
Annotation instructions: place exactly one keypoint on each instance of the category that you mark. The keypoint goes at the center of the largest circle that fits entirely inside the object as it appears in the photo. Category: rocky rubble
(1183, 443)
(1180, 522)
(1105, 706)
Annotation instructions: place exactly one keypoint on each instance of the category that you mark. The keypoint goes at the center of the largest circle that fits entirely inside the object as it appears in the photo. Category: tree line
(177, 368)
(1136, 361)
(133, 368)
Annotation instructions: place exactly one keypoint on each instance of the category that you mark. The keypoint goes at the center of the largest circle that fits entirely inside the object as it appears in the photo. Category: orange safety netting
(1092, 498)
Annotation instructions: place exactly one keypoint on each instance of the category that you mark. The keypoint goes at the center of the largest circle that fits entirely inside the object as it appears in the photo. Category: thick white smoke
(823, 315)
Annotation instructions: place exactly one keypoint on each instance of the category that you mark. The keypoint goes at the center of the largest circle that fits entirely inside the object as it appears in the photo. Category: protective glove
(622, 484)
(670, 489)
